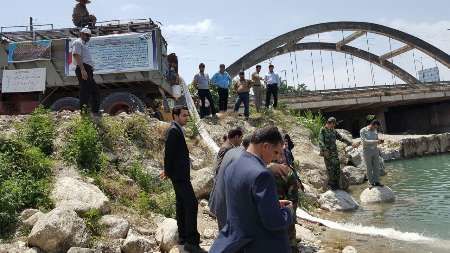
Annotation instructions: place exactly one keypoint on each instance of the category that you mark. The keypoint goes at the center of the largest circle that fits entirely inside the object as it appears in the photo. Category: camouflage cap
(331, 120)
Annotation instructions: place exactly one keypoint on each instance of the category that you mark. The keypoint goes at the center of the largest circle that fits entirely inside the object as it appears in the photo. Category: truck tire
(66, 103)
(119, 102)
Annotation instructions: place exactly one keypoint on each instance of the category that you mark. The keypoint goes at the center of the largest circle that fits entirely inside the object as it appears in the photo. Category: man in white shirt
(272, 81)
(89, 91)
(201, 82)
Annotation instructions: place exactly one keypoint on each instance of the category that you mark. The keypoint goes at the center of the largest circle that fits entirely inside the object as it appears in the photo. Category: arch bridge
(399, 106)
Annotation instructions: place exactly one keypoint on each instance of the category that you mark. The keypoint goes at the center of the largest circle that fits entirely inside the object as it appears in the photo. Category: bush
(164, 203)
(84, 147)
(24, 181)
(91, 219)
(313, 122)
(148, 182)
(39, 130)
(157, 196)
(192, 130)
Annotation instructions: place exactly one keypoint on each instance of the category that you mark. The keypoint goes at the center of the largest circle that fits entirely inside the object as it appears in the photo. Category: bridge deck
(367, 96)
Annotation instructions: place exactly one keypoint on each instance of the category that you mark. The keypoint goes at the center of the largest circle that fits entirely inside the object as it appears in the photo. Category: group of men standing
(242, 86)
(255, 190)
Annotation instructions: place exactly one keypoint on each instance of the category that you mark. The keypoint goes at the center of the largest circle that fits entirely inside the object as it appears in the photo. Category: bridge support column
(381, 117)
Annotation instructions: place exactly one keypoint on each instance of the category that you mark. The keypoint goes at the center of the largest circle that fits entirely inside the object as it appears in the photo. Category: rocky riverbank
(118, 210)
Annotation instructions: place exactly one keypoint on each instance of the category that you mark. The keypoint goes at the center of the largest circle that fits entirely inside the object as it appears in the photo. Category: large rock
(303, 234)
(80, 250)
(31, 221)
(136, 243)
(354, 155)
(349, 249)
(115, 227)
(167, 234)
(337, 201)
(202, 182)
(74, 194)
(17, 247)
(315, 175)
(27, 213)
(59, 230)
(354, 175)
(377, 195)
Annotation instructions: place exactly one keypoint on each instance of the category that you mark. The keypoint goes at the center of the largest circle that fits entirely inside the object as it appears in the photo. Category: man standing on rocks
(371, 153)
(177, 165)
(242, 88)
(257, 221)
(201, 82)
(257, 88)
(223, 81)
(328, 149)
(272, 81)
(89, 91)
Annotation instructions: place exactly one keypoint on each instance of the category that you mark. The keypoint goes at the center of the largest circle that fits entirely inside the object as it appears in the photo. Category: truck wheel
(119, 102)
(67, 103)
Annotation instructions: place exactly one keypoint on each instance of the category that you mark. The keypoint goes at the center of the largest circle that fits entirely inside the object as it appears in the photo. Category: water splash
(368, 230)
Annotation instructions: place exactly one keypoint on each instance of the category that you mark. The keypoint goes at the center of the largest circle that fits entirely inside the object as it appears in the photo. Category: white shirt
(80, 48)
(272, 78)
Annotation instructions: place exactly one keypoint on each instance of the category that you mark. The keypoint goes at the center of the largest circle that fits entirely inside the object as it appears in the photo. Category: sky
(216, 32)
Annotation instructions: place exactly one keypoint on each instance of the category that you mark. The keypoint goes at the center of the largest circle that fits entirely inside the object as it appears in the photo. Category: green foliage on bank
(157, 195)
(84, 147)
(24, 181)
(39, 130)
(314, 122)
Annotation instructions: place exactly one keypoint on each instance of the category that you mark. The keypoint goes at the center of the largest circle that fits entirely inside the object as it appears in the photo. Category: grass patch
(313, 122)
(24, 181)
(39, 130)
(84, 147)
(91, 219)
(157, 195)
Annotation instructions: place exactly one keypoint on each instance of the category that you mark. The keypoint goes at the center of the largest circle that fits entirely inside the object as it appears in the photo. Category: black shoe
(194, 248)
(378, 184)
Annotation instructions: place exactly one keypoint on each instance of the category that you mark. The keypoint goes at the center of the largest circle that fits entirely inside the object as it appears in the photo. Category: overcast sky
(217, 32)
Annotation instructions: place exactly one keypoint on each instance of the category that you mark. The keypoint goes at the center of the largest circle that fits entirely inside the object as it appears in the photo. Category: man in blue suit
(256, 220)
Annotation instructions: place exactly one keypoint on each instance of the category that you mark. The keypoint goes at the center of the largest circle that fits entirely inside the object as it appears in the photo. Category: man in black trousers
(177, 166)
(89, 91)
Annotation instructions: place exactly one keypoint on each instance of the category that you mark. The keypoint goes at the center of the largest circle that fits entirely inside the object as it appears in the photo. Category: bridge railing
(363, 89)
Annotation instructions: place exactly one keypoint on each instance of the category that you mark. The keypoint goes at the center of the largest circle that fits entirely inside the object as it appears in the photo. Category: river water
(419, 219)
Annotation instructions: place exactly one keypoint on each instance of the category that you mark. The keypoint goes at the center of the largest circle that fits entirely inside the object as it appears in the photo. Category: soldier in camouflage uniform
(288, 189)
(328, 149)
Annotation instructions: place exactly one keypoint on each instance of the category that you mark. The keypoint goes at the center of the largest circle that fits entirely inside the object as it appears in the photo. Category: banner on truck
(118, 53)
(29, 51)
(24, 80)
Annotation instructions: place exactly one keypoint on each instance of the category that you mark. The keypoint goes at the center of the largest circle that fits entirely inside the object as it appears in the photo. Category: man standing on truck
(201, 82)
(223, 81)
(89, 91)
(81, 16)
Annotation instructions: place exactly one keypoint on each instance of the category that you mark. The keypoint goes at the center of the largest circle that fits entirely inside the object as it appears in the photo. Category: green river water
(422, 207)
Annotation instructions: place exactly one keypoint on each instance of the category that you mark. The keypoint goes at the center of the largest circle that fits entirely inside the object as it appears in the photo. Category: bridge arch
(288, 42)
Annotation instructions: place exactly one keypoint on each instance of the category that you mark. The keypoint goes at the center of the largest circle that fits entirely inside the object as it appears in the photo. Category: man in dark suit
(177, 166)
(256, 220)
